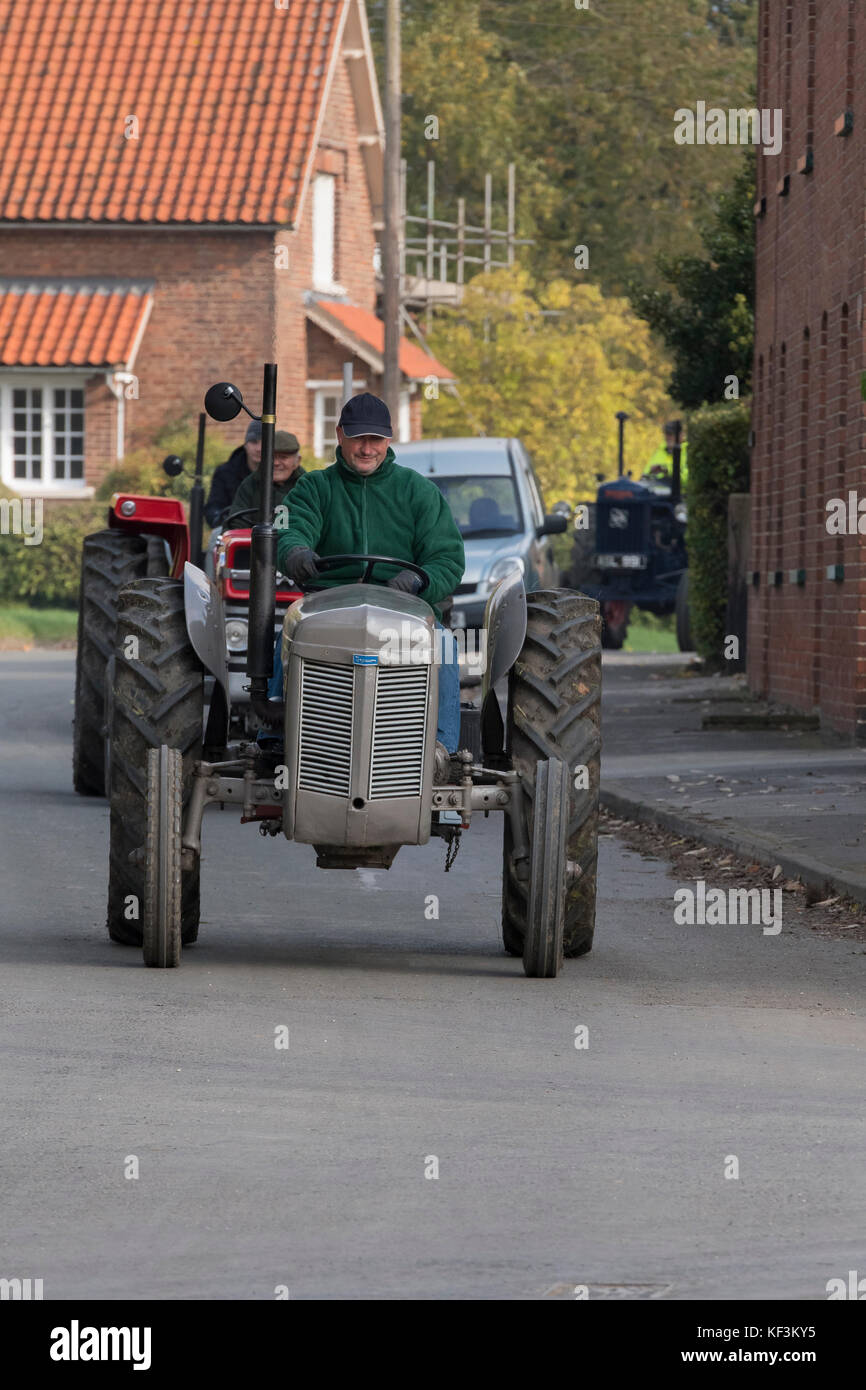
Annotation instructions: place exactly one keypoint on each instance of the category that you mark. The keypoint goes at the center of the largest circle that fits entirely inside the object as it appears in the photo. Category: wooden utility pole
(391, 247)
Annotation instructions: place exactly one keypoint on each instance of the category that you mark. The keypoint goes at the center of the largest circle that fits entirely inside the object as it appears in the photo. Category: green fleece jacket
(393, 511)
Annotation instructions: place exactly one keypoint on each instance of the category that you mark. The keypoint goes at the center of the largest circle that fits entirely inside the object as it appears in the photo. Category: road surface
(410, 1039)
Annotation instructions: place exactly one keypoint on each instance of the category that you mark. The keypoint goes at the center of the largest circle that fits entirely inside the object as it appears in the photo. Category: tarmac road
(409, 1038)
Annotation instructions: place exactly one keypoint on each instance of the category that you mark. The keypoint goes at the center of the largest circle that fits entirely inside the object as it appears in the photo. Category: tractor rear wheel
(554, 709)
(158, 699)
(548, 868)
(162, 858)
(109, 561)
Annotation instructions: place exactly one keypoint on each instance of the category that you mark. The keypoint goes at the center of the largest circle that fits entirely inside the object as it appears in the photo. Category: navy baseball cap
(365, 414)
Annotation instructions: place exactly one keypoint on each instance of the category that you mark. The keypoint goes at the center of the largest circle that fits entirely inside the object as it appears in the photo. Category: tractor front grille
(325, 743)
(399, 731)
(632, 534)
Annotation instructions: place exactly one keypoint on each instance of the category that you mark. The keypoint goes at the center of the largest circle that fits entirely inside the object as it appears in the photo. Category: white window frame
(47, 485)
(404, 419)
(320, 390)
(325, 232)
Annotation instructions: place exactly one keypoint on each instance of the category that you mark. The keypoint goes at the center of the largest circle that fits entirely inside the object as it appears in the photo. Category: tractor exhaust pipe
(263, 568)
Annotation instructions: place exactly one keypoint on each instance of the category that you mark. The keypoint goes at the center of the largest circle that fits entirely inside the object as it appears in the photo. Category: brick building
(807, 608)
(186, 191)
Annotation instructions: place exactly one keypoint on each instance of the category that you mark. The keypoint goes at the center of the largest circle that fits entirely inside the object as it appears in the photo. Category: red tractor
(151, 538)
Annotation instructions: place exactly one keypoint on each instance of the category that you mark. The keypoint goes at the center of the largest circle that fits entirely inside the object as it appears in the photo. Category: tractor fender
(505, 625)
(205, 623)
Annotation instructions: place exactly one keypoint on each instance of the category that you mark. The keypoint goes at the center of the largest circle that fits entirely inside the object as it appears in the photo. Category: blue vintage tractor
(630, 549)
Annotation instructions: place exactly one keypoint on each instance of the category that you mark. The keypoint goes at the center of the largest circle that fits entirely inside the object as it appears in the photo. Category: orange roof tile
(415, 363)
(72, 323)
(225, 94)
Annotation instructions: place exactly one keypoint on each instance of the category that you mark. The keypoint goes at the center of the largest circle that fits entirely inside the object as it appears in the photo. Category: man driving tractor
(365, 503)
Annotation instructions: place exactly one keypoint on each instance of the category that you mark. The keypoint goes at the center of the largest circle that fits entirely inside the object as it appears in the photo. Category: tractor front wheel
(683, 616)
(162, 858)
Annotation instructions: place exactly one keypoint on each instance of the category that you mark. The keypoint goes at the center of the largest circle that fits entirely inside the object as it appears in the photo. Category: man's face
(285, 465)
(254, 453)
(365, 452)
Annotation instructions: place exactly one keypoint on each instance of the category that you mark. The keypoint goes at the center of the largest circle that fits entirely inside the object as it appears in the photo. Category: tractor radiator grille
(397, 762)
(631, 535)
(325, 746)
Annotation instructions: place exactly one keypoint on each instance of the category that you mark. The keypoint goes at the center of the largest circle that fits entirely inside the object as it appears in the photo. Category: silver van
(492, 490)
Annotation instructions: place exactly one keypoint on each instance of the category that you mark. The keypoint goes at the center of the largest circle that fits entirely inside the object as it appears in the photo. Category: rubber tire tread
(162, 878)
(542, 946)
(109, 561)
(554, 710)
(158, 698)
(683, 617)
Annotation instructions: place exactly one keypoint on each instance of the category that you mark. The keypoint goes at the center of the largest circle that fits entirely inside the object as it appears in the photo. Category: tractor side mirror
(223, 401)
(554, 524)
(172, 465)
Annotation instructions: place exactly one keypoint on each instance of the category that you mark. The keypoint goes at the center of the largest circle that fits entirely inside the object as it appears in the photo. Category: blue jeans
(448, 732)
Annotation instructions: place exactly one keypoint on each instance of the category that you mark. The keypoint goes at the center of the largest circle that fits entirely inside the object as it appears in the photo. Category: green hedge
(47, 575)
(718, 465)
(142, 472)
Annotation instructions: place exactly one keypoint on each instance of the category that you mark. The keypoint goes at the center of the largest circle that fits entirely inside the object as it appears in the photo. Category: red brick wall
(338, 154)
(223, 303)
(807, 643)
(212, 316)
(100, 430)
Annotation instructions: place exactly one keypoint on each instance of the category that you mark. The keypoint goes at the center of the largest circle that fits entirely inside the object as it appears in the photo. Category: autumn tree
(583, 101)
(551, 365)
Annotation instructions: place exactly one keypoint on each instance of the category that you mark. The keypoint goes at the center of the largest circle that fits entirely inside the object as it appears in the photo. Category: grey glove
(405, 581)
(301, 563)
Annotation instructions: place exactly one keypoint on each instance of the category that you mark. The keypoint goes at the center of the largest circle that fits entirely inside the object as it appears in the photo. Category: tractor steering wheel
(329, 562)
(240, 519)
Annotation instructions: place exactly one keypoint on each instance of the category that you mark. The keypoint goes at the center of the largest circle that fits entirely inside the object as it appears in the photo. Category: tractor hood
(624, 490)
(360, 620)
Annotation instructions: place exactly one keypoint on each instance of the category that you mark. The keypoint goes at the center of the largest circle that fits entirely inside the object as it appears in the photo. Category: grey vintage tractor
(349, 766)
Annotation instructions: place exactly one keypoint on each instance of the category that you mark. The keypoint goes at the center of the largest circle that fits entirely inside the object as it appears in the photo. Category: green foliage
(582, 100)
(706, 320)
(718, 466)
(141, 470)
(47, 575)
(550, 365)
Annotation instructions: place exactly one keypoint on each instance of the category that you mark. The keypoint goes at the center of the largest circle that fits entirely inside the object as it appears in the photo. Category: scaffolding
(447, 244)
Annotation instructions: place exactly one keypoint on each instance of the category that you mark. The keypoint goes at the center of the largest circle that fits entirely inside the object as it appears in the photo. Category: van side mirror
(554, 524)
